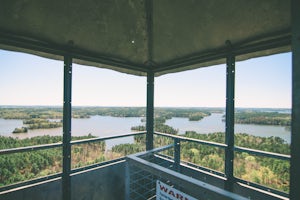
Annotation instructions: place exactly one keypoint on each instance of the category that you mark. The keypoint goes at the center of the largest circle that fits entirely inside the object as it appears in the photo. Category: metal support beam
(127, 181)
(229, 129)
(149, 20)
(255, 45)
(177, 154)
(150, 111)
(67, 109)
(295, 142)
(15, 40)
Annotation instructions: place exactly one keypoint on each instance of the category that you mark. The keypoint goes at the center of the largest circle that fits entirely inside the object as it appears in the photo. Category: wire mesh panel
(142, 182)
(152, 176)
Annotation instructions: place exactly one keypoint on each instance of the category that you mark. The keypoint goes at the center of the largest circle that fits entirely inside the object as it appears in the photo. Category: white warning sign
(166, 192)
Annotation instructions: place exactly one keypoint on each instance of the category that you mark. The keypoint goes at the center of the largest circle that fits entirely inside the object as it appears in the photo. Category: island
(37, 123)
(21, 130)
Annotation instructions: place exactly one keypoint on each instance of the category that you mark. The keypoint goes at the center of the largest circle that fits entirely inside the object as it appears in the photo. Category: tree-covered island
(39, 117)
(193, 114)
(37, 123)
(263, 118)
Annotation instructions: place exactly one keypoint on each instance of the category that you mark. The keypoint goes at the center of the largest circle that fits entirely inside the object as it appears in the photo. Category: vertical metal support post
(127, 181)
(150, 77)
(295, 142)
(229, 129)
(67, 109)
(150, 111)
(177, 154)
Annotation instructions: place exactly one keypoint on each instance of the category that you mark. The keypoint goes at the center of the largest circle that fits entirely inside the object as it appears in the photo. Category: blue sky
(31, 80)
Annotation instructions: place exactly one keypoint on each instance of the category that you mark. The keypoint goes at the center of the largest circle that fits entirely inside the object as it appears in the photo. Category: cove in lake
(107, 126)
(214, 123)
(96, 125)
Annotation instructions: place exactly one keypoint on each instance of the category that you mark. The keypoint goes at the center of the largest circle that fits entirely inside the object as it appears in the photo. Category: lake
(96, 125)
(214, 123)
(107, 126)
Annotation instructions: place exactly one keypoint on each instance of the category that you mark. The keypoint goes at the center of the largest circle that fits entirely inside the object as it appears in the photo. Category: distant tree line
(193, 114)
(85, 112)
(264, 118)
(31, 112)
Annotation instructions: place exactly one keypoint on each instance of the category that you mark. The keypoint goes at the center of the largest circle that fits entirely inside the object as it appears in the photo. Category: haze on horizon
(31, 80)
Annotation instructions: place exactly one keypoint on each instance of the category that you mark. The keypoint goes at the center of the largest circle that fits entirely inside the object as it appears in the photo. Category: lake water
(96, 125)
(108, 126)
(214, 123)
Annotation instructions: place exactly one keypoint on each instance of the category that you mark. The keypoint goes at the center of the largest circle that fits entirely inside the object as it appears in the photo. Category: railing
(146, 172)
(60, 145)
(177, 143)
(177, 162)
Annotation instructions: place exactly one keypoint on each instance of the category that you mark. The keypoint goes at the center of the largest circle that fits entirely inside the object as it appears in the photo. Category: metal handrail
(175, 137)
(185, 139)
(261, 187)
(181, 138)
(236, 148)
(29, 182)
(98, 139)
(198, 186)
(60, 144)
(30, 148)
(262, 153)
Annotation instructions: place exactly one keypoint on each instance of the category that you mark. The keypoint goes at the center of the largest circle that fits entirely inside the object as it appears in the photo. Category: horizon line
(126, 106)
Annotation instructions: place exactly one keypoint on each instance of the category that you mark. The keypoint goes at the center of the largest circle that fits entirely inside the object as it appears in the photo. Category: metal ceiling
(135, 36)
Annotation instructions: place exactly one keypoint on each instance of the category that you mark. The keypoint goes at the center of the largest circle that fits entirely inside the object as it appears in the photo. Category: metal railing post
(150, 111)
(229, 124)
(177, 154)
(295, 128)
(127, 181)
(67, 109)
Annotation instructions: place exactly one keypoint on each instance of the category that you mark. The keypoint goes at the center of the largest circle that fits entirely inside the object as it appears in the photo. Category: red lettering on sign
(180, 197)
(171, 192)
(163, 188)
